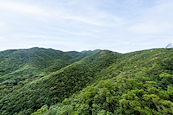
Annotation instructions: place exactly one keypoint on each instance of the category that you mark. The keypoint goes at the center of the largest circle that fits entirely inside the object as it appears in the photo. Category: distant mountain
(51, 82)
(36, 61)
(38, 58)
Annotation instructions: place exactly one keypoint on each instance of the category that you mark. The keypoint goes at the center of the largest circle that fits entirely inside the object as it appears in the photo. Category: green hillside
(54, 87)
(20, 67)
(86, 83)
(137, 83)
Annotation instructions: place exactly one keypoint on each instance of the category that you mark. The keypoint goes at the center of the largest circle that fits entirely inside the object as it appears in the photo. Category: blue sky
(118, 25)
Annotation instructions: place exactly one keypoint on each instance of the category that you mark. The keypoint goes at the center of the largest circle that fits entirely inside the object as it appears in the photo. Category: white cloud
(2, 38)
(149, 28)
(2, 25)
(42, 37)
(22, 8)
(132, 4)
(4, 28)
(86, 24)
(88, 14)
(84, 12)
(78, 32)
(154, 20)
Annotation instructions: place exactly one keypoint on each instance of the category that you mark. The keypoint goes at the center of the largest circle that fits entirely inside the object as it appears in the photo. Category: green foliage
(18, 68)
(137, 84)
(88, 83)
(58, 85)
(107, 97)
(42, 111)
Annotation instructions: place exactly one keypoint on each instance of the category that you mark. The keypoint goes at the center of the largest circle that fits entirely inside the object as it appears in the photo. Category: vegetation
(20, 67)
(90, 83)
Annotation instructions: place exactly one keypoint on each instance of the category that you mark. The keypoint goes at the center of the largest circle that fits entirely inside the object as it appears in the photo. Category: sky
(68, 25)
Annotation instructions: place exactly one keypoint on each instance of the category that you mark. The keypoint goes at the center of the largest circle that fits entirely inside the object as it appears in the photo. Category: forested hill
(22, 66)
(36, 76)
(34, 62)
(38, 58)
(51, 82)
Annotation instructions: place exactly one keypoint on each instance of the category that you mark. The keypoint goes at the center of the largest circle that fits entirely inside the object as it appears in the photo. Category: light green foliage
(42, 111)
(166, 75)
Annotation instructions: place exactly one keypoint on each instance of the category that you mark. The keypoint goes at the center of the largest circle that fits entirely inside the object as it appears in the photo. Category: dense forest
(40, 81)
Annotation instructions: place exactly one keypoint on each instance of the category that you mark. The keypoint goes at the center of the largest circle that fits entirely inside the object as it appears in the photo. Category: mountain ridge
(78, 86)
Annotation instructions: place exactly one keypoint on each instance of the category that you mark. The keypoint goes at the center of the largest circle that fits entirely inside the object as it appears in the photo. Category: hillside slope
(37, 58)
(56, 86)
(137, 83)
(88, 83)
(22, 66)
